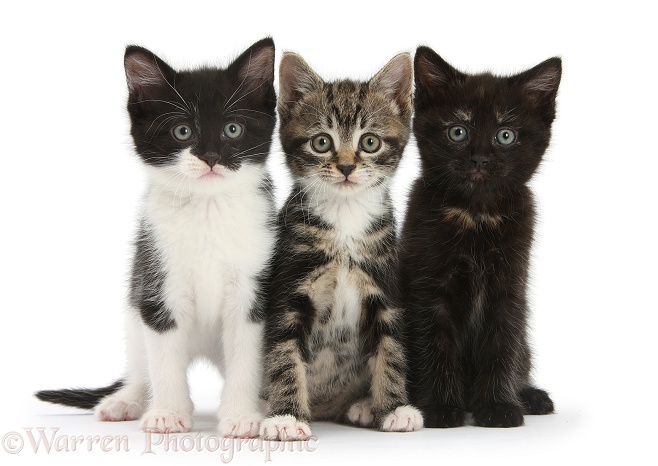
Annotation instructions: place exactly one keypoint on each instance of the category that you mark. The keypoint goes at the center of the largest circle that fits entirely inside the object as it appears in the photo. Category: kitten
(204, 241)
(467, 238)
(333, 329)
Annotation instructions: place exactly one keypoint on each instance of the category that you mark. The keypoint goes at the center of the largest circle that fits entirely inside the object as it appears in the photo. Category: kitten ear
(254, 69)
(145, 72)
(541, 82)
(432, 73)
(395, 80)
(296, 78)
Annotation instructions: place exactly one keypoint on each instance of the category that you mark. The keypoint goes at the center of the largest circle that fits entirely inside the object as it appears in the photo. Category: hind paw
(361, 413)
(115, 409)
(536, 401)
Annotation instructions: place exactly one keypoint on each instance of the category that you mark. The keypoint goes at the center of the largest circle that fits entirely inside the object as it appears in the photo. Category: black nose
(346, 169)
(479, 161)
(210, 158)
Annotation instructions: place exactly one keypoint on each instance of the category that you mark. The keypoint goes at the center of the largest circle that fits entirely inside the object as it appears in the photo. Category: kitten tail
(84, 398)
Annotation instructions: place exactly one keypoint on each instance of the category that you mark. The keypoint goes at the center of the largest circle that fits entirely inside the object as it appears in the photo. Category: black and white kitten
(334, 325)
(204, 241)
(467, 239)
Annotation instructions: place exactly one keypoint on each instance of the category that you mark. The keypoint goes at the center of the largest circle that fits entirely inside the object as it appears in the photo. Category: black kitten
(467, 238)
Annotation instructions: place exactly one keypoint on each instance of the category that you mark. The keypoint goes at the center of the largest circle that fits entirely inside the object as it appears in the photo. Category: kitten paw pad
(284, 428)
(361, 414)
(240, 427)
(500, 415)
(165, 421)
(114, 409)
(403, 419)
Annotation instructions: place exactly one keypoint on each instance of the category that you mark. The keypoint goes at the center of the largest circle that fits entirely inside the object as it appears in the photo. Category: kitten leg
(128, 403)
(289, 410)
(436, 378)
(501, 360)
(388, 365)
(239, 412)
(168, 360)
(536, 401)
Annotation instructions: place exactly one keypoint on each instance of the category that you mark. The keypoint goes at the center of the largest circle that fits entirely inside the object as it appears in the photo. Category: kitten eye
(457, 133)
(370, 143)
(505, 137)
(233, 130)
(182, 132)
(321, 143)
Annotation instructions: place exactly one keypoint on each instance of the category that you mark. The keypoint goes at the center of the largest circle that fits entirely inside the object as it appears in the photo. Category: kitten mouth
(478, 175)
(210, 175)
(346, 182)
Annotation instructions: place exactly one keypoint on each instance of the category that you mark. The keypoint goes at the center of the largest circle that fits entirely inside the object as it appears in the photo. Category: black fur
(466, 242)
(83, 398)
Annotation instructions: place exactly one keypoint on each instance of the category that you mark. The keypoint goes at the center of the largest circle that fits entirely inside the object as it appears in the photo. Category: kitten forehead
(464, 114)
(503, 114)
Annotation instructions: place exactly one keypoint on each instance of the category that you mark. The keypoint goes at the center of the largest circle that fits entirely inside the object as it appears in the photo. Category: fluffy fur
(333, 329)
(467, 239)
(204, 240)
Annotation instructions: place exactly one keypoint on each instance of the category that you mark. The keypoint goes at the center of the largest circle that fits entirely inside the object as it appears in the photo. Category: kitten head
(202, 126)
(344, 135)
(482, 132)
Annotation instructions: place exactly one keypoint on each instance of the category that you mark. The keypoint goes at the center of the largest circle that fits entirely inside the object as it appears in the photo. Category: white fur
(213, 237)
(403, 419)
(284, 428)
(360, 413)
(350, 210)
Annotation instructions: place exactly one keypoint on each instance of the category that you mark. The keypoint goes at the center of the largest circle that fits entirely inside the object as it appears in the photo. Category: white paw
(403, 419)
(113, 408)
(165, 421)
(284, 428)
(240, 427)
(361, 413)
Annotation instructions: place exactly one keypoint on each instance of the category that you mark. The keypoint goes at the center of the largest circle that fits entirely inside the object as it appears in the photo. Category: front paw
(443, 416)
(499, 415)
(165, 421)
(246, 426)
(361, 413)
(403, 419)
(284, 428)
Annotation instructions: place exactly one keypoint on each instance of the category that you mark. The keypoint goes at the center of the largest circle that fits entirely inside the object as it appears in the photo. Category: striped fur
(334, 325)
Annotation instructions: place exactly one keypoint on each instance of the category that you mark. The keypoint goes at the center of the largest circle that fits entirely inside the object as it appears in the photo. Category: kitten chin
(467, 237)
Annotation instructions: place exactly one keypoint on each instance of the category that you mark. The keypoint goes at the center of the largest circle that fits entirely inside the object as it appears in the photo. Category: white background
(70, 188)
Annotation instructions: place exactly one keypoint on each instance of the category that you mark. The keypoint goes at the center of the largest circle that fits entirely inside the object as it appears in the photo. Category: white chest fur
(210, 241)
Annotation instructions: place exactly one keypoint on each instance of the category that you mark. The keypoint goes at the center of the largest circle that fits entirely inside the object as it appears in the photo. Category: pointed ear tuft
(296, 78)
(145, 71)
(395, 80)
(432, 73)
(541, 82)
(255, 69)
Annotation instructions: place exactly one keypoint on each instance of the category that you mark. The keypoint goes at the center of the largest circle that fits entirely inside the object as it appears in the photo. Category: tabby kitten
(203, 245)
(467, 240)
(333, 328)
